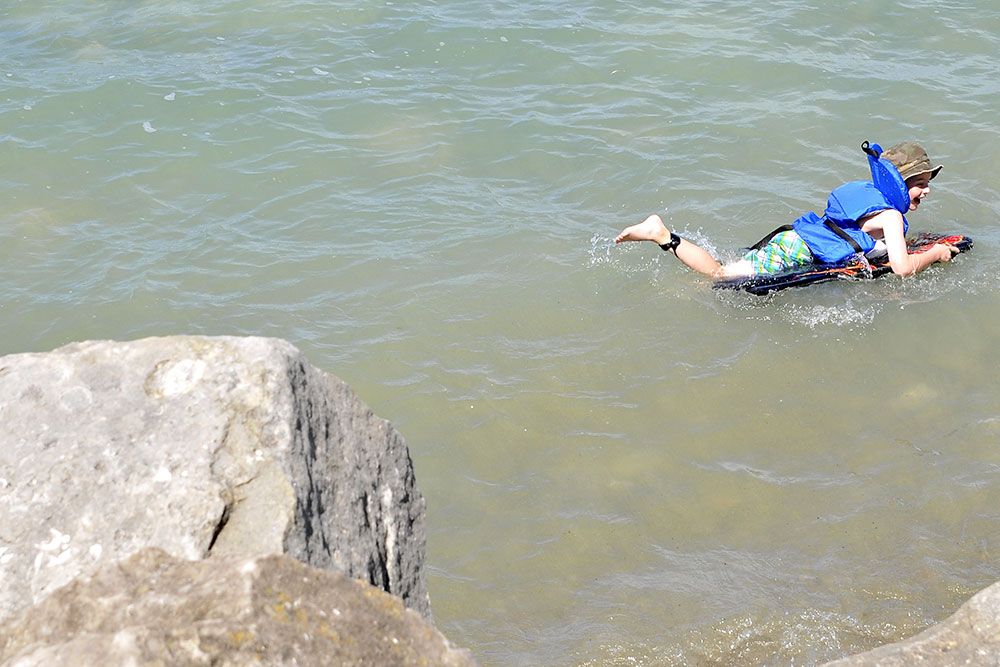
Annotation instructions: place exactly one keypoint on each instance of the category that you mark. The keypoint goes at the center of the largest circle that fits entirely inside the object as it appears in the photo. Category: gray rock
(202, 447)
(153, 609)
(970, 636)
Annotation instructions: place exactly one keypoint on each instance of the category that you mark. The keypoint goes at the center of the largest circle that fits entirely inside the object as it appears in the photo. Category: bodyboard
(811, 274)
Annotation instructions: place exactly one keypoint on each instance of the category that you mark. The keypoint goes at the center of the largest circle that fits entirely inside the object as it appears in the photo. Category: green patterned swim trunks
(785, 251)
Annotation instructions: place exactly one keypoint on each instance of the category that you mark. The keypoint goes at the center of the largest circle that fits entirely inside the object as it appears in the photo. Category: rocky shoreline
(121, 460)
(218, 500)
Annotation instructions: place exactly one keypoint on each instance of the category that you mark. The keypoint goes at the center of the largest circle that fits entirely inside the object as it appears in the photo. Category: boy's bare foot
(650, 229)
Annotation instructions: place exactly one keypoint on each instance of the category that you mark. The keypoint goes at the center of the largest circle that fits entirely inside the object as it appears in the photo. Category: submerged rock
(203, 447)
(970, 636)
(272, 610)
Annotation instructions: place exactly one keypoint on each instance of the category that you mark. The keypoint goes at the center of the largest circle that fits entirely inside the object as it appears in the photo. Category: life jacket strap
(836, 229)
(830, 224)
(767, 239)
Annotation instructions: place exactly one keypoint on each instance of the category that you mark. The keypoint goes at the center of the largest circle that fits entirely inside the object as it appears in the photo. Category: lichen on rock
(266, 610)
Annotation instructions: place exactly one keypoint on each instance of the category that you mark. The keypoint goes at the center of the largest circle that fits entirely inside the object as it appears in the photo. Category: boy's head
(911, 160)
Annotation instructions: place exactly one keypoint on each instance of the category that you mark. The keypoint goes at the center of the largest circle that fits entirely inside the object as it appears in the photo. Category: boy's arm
(903, 263)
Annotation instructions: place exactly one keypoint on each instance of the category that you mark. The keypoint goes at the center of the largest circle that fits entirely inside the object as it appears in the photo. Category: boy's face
(919, 187)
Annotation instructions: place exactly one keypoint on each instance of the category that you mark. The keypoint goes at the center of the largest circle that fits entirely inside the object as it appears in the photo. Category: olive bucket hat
(910, 159)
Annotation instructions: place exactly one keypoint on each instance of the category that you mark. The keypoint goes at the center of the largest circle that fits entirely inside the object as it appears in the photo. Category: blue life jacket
(837, 235)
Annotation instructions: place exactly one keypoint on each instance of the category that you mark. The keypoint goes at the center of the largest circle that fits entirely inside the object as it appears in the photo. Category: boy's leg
(693, 256)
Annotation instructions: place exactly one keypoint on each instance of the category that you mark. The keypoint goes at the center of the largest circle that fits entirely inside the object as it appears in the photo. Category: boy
(863, 220)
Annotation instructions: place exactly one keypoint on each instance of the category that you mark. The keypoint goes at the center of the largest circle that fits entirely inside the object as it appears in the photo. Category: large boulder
(203, 447)
(970, 636)
(153, 609)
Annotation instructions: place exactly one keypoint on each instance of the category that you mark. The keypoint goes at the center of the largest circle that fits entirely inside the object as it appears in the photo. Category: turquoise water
(621, 465)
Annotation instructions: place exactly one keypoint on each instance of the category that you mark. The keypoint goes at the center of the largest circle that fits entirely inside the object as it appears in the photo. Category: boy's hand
(945, 251)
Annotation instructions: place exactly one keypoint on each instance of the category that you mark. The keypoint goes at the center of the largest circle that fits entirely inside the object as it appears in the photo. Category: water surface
(621, 465)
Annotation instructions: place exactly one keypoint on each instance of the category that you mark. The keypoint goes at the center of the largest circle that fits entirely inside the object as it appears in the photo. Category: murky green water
(622, 466)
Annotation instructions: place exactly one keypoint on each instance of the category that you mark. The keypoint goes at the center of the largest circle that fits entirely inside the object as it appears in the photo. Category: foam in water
(806, 637)
(844, 315)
